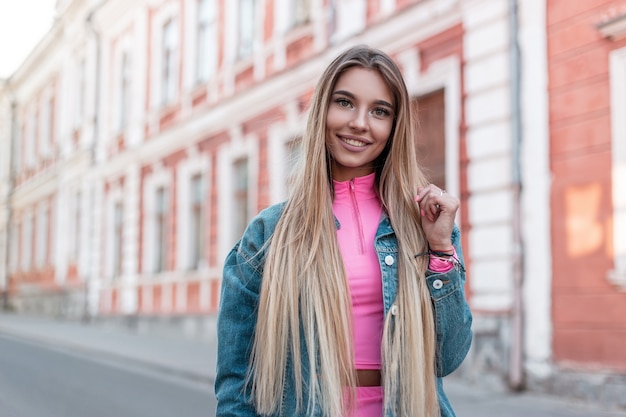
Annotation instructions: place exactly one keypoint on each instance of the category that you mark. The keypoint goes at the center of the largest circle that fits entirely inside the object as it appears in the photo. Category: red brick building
(586, 49)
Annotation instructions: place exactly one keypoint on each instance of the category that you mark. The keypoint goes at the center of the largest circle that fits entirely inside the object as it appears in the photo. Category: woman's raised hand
(438, 210)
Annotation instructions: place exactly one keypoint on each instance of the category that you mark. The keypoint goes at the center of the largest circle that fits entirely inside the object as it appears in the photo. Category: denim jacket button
(437, 284)
(389, 260)
(394, 310)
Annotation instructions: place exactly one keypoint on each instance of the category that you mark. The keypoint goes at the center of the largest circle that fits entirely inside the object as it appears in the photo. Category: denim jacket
(237, 315)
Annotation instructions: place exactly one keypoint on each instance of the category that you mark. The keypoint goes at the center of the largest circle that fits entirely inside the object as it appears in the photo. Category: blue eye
(343, 102)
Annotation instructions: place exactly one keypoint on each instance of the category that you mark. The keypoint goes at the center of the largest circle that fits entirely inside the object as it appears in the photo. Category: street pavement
(194, 360)
(38, 380)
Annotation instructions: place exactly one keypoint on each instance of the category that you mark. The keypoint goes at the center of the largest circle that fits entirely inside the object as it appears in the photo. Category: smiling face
(358, 123)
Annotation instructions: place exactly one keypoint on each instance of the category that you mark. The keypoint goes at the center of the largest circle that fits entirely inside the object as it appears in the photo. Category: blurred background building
(139, 137)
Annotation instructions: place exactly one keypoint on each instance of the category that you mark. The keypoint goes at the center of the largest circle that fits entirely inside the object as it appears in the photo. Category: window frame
(77, 229)
(617, 79)
(197, 164)
(245, 47)
(161, 177)
(301, 12)
(241, 195)
(80, 93)
(345, 19)
(124, 86)
(197, 216)
(206, 40)
(42, 235)
(160, 223)
(46, 124)
(117, 253)
(169, 60)
(240, 146)
(30, 143)
(26, 254)
(14, 249)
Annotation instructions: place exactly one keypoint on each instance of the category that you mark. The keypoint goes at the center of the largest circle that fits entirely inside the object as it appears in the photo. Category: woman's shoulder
(273, 212)
(263, 224)
(253, 243)
(269, 216)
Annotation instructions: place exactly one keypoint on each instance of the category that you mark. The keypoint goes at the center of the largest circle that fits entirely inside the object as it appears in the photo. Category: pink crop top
(358, 210)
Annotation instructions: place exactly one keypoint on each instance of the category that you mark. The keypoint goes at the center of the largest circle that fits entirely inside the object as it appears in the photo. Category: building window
(118, 238)
(241, 196)
(76, 221)
(431, 136)
(349, 17)
(46, 127)
(246, 28)
(27, 242)
(79, 101)
(31, 138)
(160, 225)
(16, 158)
(299, 11)
(294, 155)
(14, 245)
(124, 92)
(51, 104)
(207, 40)
(42, 236)
(196, 225)
(169, 73)
(617, 75)
(289, 14)
(387, 6)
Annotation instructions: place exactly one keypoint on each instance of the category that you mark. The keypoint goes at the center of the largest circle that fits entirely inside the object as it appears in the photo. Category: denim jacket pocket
(442, 285)
(453, 320)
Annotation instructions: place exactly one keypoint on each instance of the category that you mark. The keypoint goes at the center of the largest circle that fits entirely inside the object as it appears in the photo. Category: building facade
(587, 67)
(145, 134)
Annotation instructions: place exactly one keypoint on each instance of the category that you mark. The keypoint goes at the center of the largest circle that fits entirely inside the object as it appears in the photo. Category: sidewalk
(195, 360)
(184, 357)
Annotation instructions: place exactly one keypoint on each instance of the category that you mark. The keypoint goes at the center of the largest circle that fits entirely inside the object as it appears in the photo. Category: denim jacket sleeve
(453, 319)
(237, 316)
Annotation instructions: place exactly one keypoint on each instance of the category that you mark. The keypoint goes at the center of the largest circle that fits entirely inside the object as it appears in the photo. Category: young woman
(347, 299)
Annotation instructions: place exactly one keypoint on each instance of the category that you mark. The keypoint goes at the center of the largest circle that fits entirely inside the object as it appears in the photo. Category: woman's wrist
(442, 250)
(441, 261)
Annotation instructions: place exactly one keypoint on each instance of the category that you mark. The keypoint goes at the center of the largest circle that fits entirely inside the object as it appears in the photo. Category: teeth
(353, 142)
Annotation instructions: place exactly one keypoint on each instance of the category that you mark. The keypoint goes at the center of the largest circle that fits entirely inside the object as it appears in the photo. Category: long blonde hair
(305, 307)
